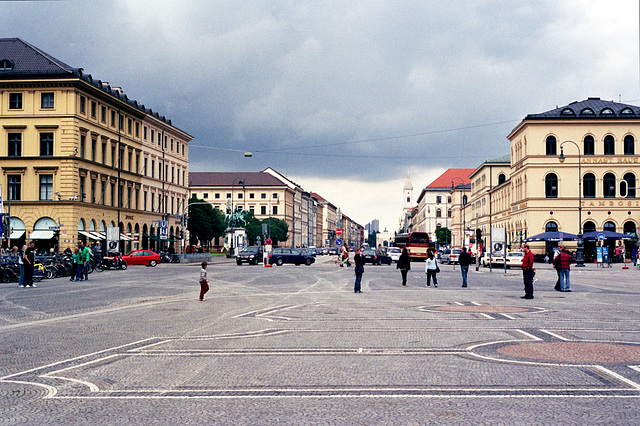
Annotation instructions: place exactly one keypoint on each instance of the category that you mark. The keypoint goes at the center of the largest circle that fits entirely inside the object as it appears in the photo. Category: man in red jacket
(563, 265)
(527, 272)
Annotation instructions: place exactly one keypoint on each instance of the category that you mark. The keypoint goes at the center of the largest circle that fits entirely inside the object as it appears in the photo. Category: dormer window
(607, 111)
(6, 64)
(587, 111)
(627, 111)
(568, 111)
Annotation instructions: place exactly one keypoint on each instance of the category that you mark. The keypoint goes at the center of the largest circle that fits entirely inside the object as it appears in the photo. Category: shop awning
(98, 236)
(152, 237)
(90, 235)
(125, 237)
(16, 234)
(41, 234)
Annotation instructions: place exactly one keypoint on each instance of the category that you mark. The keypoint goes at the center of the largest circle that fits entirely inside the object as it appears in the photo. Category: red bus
(417, 243)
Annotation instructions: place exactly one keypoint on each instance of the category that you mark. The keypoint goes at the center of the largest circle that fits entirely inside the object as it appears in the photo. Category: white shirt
(430, 264)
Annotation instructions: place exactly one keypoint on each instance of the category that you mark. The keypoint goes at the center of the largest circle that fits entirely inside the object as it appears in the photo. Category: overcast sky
(344, 97)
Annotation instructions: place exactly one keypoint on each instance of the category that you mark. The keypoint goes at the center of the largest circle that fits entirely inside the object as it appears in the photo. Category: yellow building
(79, 156)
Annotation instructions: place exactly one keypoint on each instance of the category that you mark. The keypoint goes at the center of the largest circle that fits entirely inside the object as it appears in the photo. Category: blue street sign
(338, 241)
(600, 236)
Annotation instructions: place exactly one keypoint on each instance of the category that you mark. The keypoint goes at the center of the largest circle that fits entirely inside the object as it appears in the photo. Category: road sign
(600, 236)
(339, 232)
(268, 241)
(164, 234)
(163, 223)
(338, 242)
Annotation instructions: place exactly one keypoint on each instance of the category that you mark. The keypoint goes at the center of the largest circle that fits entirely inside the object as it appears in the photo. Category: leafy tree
(205, 222)
(443, 236)
(279, 230)
(254, 228)
(371, 240)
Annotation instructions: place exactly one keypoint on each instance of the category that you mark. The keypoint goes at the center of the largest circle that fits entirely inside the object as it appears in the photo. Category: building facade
(79, 156)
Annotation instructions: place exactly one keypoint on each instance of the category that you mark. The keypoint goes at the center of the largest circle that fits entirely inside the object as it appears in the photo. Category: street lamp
(446, 214)
(462, 204)
(231, 217)
(579, 252)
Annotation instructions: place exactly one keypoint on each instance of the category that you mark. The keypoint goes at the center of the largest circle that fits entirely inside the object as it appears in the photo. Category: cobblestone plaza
(295, 345)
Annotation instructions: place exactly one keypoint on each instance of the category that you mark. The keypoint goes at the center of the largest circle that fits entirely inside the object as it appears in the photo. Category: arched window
(589, 145)
(609, 145)
(589, 185)
(627, 111)
(628, 186)
(609, 185)
(609, 226)
(589, 226)
(501, 178)
(552, 145)
(629, 228)
(551, 227)
(438, 213)
(629, 145)
(568, 111)
(607, 111)
(6, 64)
(587, 111)
(551, 186)
(464, 200)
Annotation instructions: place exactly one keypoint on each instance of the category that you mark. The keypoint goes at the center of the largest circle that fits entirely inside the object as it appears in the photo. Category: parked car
(142, 257)
(449, 256)
(497, 259)
(333, 250)
(376, 258)
(514, 259)
(282, 255)
(251, 255)
(394, 253)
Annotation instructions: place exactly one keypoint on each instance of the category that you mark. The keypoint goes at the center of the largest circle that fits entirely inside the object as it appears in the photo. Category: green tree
(205, 222)
(371, 240)
(279, 230)
(254, 228)
(443, 236)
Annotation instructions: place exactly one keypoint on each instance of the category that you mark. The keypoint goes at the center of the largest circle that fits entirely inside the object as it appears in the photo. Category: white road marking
(618, 377)
(557, 336)
(529, 335)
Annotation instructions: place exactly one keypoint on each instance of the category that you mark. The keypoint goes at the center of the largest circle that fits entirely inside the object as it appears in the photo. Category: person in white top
(431, 269)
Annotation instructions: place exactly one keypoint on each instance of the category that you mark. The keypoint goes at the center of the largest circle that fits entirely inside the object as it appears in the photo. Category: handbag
(437, 268)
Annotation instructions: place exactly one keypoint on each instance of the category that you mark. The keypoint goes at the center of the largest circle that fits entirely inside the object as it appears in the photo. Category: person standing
(204, 281)
(75, 276)
(404, 264)
(431, 269)
(556, 265)
(527, 272)
(634, 255)
(464, 260)
(83, 262)
(20, 254)
(564, 262)
(359, 270)
(345, 255)
(29, 261)
(97, 252)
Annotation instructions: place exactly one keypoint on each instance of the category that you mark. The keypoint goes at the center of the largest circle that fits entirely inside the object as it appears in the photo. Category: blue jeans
(564, 280)
(465, 271)
(21, 280)
(356, 286)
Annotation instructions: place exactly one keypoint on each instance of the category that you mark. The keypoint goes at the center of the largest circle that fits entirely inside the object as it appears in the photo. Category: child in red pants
(204, 282)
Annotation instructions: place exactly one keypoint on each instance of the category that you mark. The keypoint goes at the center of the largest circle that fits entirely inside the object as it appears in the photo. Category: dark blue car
(282, 255)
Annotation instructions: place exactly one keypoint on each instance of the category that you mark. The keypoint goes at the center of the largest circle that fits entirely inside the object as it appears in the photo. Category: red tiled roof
(455, 175)
(233, 178)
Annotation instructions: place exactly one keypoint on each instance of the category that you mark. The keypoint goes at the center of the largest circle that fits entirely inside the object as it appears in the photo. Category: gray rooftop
(227, 179)
(591, 108)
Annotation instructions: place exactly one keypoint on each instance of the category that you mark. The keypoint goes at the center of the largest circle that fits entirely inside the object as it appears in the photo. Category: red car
(142, 257)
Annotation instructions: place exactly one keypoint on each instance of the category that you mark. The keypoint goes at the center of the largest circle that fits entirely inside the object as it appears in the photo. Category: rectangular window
(252, 195)
(171, 144)
(228, 195)
(120, 121)
(152, 135)
(113, 194)
(153, 201)
(113, 118)
(137, 163)
(240, 195)
(275, 210)
(94, 144)
(15, 100)
(153, 169)
(113, 156)
(252, 209)
(217, 195)
(263, 195)
(130, 161)
(274, 195)
(129, 126)
(83, 140)
(121, 159)
(144, 133)
(81, 195)
(104, 153)
(263, 209)
(145, 200)
(205, 195)
(146, 162)
(15, 187)
(103, 190)
(103, 114)
(94, 109)
(83, 102)
(15, 144)
(93, 190)
(137, 130)
(173, 176)
(46, 144)
(183, 150)
(46, 100)
(46, 187)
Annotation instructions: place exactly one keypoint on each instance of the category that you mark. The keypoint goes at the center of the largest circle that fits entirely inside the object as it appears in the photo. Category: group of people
(81, 256)
(561, 263)
(26, 262)
(404, 265)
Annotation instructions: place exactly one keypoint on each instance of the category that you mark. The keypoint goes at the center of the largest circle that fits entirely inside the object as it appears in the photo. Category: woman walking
(404, 264)
(359, 270)
(204, 282)
(431, 268)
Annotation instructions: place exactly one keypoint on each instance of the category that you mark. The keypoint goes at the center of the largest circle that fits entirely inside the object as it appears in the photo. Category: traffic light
(478, 234)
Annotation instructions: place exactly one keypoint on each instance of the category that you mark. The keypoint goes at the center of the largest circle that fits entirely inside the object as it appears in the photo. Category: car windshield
(516, 255)
(456, 251)
(250, 250)
(369, 252)
(393, 250)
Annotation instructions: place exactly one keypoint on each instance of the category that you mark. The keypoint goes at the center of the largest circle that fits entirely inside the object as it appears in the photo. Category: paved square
(296, 345)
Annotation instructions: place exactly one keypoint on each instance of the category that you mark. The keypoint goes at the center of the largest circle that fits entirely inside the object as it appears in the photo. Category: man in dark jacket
(359, 259)
(404, 264)
(564, 261)
(464, 260)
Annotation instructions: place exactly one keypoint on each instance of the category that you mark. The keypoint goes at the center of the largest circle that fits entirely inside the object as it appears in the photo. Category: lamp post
(579, 251)
(462, 204)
